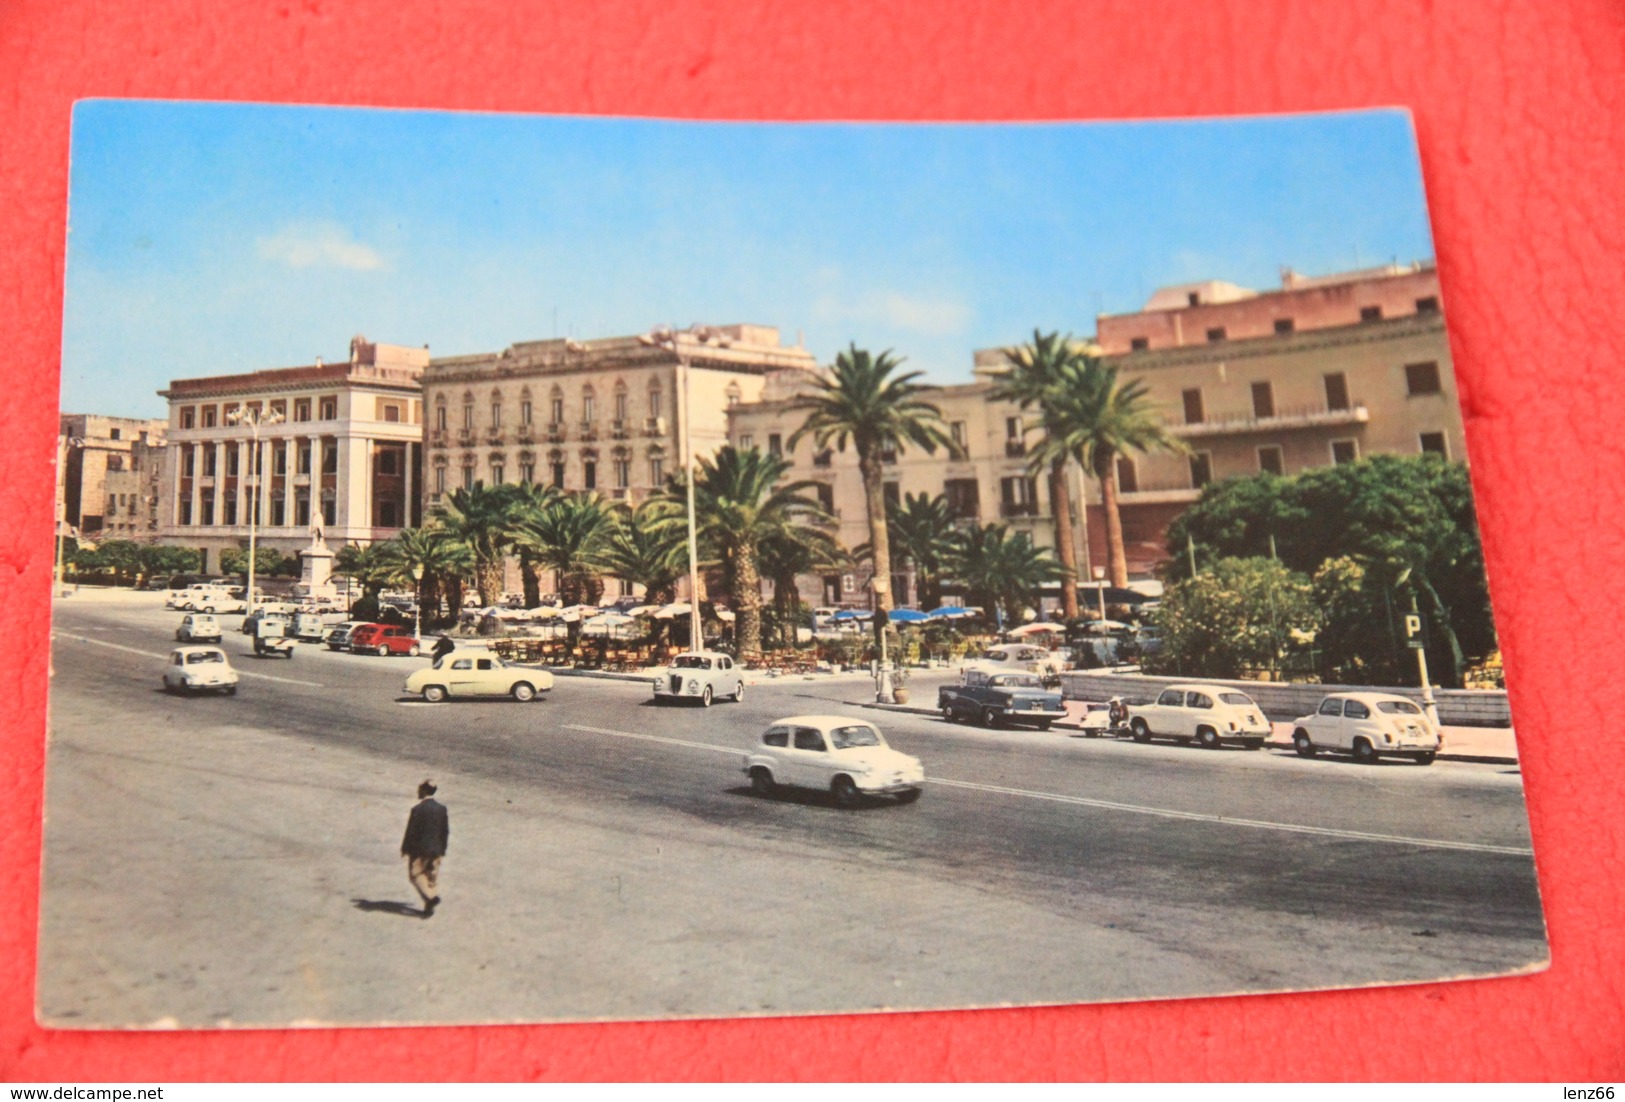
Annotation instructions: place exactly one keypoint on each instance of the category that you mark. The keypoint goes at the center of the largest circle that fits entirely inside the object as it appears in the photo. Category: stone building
(595, 415)
(1322, 371)
(344, 453)
(103, 490)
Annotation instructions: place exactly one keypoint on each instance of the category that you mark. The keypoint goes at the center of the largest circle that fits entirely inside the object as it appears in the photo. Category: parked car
(473, 672)
(193, 597)
(198, 627)
(338, 636)
(1000, 700)
(384, 639)
(200, 669)
(1017, 656)
(702, 676)
(1095, 721)
(307, 627)
(1209, 715)
(847, 758)
(1369, 726)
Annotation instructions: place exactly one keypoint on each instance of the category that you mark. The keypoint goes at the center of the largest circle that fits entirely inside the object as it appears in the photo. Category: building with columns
(601, 415)
(1323, 370)
(341, 451)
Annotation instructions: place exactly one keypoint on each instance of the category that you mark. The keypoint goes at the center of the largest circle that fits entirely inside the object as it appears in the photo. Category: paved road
(232, 860)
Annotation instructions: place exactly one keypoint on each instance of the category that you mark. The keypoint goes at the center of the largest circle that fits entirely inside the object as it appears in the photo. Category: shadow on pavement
(388, 906)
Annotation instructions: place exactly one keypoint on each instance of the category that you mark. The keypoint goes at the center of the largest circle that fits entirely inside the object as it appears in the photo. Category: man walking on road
(427, 830)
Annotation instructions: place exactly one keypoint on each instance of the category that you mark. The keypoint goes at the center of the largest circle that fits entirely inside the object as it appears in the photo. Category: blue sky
(213, 238)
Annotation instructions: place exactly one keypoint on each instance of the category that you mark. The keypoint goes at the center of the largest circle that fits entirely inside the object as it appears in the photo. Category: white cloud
(318, 245)
(909, 313)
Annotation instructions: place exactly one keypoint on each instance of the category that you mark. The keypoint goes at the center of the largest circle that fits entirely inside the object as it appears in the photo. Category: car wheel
(231, 690)
(1141, 730)
(705, 697)
(1302, 744)
(1208, 738)
(949, 714)
(908, 795)
(1253, 743)
(1043, 724)
(761, 781)
(1425, 759)
(739, 693)
(382, 652)
(434, 694)
(414, 651)
(523, 692)
(990, 718)
(1364, 752)
(844, 791)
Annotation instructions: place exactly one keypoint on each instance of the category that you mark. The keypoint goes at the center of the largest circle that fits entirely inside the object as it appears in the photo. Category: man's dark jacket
(426, 831)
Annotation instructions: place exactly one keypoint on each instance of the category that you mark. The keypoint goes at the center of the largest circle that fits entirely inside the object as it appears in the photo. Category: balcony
(619, 430)
(1282, 420)
(439, 438)
(654, 426)
(888, 456)
(589, 430)
(1015, 449)
(467, 437)
(525, 434)
(495, 436)
(1009, 509)
(555, 432)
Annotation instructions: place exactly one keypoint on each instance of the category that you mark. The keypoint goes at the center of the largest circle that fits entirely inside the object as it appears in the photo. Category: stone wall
(1285, 702)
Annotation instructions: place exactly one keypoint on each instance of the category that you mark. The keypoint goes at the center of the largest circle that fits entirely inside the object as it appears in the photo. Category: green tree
(157, 559)
(441, 558)
(481, 518)
(786, 556)
(366, 565)
(568, 537)
(1092, 416)
(1239, 616)
(1036, 373)
(922, 533)
(645, 550)
(863, 402)
(528, 499)
(739, 506)
(1001, 572)
(268, 561)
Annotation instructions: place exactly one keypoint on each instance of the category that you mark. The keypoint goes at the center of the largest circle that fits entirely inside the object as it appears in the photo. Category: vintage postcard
(528, 569)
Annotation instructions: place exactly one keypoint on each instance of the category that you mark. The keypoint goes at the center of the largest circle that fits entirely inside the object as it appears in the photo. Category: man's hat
(426, 789)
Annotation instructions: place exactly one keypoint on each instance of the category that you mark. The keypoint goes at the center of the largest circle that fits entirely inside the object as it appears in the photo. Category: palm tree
(442, 559)
(367, 565)
(1034, 375)
(568, 538)
(861, 401)
(529, 499)
(1092, 417)
(643, 549)
(1002, 571)
(481, 518)
(737, 509)
(786, 556)
(922, 531)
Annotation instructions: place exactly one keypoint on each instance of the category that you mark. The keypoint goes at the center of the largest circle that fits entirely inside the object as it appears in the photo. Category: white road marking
(162, 657)
(1136, 809)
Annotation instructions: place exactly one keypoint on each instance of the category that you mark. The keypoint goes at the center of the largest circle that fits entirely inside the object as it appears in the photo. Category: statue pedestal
(316, 571)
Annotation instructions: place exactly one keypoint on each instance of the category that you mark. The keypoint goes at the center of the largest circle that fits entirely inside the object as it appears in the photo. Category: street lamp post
(256, 471)
(417, 605)
(669, 339)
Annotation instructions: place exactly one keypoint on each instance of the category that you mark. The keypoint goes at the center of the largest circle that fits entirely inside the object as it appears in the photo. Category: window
(386, 462)
(964, 498)
(589, 474)
(1269, 459)
(524, 412)
(809, 739)
(620, 405)
(558, 474)
(1263, 400)
(1139, 344)
(527, 473)
(497, 471)
(1194, 412)
(112, 434)
(115, 462)
(892, 494)
(301, 409)
(1201, 469)
(1353, 709)
(1128, 476)
(189, 461)
(1198, 700)
(1371, 313)
(468, 417)
(775, 445)
(1337, 391)
(301, 510)
(777, 736)
(1019, 496)
(747, 442)
(826, 496)
(1344, 451)
(301, 459)
(330, 409)
(1216, 334)
(1012, 428)
(1422, 378)
(279, 458)
(623, 473)
(208, 509)
(657, 471)
(1283, 326)
(654, 401)
(958, 434)
(589, 407)
(732, 394)
(1428, 305)
(277, 510)
(468, 478)
(1193, 298)
(208, 417)
(330, 460)
(187, 417)
(1331, 707)
(557, 411)
(440, 418)
(1171, 698)
(496, 415)
(1433, 443)
(186, 510)
(209, 462)
(330, 511)
(440, 480)
(392, 413)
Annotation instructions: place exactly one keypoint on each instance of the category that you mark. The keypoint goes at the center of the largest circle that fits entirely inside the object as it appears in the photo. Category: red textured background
(1518, 111)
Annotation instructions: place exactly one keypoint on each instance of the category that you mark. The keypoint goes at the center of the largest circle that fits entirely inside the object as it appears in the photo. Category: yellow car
(470, 672)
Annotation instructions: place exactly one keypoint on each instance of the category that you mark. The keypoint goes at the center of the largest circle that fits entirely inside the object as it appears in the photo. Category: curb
(1480, 759)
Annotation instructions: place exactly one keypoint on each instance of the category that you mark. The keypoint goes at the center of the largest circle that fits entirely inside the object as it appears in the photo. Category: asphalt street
(233, 860)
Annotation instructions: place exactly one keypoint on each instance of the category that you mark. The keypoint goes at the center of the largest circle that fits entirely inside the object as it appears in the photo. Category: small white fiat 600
(199, 669)
(702, 676)
(1369, 726)
(1210, 715)
(848, 758)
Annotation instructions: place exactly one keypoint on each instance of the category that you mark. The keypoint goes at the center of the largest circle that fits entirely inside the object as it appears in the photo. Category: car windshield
(1398, 707)
(691, 662)
(1018, 681)
(198, 657)
(857, 735)
(1241, 700)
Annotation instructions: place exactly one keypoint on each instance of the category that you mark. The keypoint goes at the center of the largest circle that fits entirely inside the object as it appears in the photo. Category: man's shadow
(388, 906)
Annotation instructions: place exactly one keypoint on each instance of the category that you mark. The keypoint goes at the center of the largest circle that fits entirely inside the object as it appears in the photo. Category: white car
(1017, 656)
(700, 675)
(200, 669)
(198, 627)
(1369, 726)
(199, 597)
(469, 672)
(1210, 715)
(848, 758)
